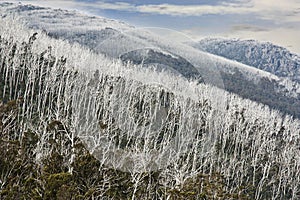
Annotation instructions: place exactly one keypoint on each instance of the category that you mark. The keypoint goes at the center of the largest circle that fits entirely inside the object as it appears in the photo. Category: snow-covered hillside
(262, 55)
(173, 138)
(115, 39)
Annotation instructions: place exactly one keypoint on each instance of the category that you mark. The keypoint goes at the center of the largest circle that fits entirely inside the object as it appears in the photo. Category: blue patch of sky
(209, 22)
(148, 19)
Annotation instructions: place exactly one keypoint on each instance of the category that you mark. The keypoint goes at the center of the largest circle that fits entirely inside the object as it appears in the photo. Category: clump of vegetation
(242, 152)
(23, 177)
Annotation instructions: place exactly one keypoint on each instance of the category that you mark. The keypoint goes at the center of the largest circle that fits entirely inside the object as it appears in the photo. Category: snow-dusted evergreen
(141, 121)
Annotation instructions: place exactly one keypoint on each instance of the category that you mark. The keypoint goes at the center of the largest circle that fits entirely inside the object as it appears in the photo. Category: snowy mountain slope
(101, 34)
(162, 62)
(262, 55)
(159, 129)
(118, 40)
(42, 17)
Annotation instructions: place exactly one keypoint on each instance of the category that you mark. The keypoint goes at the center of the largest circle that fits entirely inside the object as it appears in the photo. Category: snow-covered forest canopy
(78, 125)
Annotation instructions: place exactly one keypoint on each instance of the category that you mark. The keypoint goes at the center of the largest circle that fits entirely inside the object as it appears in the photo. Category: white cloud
(112, 6)
(191, 10)
(287, 37)
(285, 11)
(282, 10)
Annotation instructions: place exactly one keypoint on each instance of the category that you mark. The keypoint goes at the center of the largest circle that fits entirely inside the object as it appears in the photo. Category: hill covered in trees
(256, 81)
(262, 55)
(78, 125)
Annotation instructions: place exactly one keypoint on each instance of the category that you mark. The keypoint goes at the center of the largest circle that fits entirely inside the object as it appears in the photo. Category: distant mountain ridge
(262, 55)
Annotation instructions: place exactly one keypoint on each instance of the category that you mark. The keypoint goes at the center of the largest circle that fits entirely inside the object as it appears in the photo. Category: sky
(276, 21)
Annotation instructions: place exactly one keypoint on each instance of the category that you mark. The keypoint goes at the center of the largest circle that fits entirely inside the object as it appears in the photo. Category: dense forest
(53, 176)
(72, 133)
